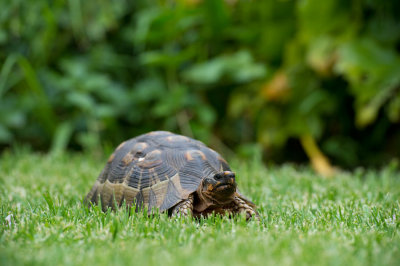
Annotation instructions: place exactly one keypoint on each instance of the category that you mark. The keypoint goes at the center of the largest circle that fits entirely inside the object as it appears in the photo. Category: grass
(351, 219)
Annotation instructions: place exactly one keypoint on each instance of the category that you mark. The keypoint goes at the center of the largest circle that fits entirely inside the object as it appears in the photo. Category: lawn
(350, 219)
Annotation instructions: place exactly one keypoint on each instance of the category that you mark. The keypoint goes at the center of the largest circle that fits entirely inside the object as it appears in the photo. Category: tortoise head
(219, 188)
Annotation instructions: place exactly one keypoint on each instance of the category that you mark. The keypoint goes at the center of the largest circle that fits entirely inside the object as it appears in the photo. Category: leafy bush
(250, 74)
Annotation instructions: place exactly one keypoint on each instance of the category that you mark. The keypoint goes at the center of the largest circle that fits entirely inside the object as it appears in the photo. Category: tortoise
(172, 173)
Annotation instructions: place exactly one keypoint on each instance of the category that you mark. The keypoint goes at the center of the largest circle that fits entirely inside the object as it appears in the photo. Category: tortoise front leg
(184, 208)
(241, 206)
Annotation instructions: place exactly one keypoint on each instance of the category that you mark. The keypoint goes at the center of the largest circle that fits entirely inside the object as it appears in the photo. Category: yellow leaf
(277, 88)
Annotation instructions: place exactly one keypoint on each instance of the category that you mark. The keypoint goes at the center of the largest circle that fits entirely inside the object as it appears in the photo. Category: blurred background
(279, 80)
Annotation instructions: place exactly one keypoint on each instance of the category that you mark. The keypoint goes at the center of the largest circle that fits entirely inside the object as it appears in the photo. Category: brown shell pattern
(155, 170)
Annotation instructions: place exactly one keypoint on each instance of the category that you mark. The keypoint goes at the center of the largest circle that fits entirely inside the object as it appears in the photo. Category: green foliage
(79, 74)
(352, 218)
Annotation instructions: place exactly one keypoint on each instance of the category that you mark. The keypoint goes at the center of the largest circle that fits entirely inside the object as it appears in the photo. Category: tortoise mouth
(220, 188)
(224, 190)
(224, 186)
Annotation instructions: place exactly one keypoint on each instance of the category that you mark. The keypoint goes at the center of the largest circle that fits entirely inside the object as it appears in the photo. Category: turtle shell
(155, 170)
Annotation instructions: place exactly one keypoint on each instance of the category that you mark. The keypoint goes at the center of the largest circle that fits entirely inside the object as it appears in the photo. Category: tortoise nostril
(226, 175)
(229, 174)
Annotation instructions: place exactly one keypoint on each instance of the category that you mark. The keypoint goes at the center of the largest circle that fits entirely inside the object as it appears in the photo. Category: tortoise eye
(218, 176)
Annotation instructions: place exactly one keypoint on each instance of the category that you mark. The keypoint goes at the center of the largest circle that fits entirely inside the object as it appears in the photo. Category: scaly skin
(241, 206)
(185, 208)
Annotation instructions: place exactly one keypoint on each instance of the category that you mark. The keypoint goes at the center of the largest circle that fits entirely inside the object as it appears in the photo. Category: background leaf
(243, 76)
